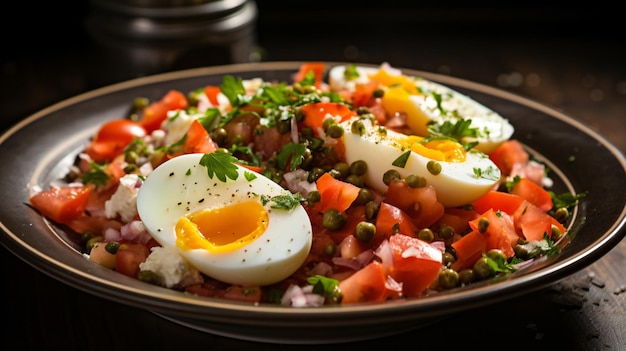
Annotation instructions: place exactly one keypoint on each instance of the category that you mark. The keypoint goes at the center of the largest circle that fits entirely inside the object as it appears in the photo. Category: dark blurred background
(569, 58)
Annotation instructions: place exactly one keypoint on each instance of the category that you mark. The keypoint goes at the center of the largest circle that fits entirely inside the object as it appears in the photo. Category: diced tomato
(354, 215)
(498, 201)
(365, 285)
(62, 204)
(111, 139)
(364, 94)
(154, 115)
(390, 220)
(212, 92)
(457, 218)
(534, 193)
(316, 67)
(316, 113)
(96, 225)
(335, 193)
(469, 249)
(241, 129)
(500, 234)
(243, 293)
(532, 223)
(508, 154)
(419, 203)
(197, 140)
(416, 263)
(128, 258)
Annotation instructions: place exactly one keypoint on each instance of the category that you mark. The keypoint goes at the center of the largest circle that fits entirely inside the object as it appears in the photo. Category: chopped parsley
(221, 165)
(95, 175)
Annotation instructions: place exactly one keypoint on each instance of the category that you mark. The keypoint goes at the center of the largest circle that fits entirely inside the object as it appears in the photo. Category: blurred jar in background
(143, 37)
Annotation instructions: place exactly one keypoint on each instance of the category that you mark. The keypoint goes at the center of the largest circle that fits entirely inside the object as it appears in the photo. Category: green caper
(334, 173)
(378, 93)
(426, 234)
(445, 231)
(483, 224)
(85, 237)
(91, 242)
(283, 126)
(482, 269)
(365, 231)
(328, 122)
(371, 209)
(314, 174)
(342, 168)
(355, 180)
(335, 131)
(561, 214)
(358, 167)
(333, 219)
(497, 255)
(112, 247)
(313, 197)
(361, 110)
(448, 278)
(237, 140)
(140, 103)
(300, 116)
(365, 196)
(307, 132)
(448, 259)
(522, 251)
(433, 167)
(357, 128)
(556, 233)
(330, 249)
(149, 277)
(390, 176)
(415, 181)
(467, 276)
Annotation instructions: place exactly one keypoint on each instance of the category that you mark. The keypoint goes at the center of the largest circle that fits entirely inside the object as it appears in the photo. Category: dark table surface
(571, 60)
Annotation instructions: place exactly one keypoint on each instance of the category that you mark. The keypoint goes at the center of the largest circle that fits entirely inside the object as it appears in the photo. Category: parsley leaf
(286, 201)
(221, 165)
(292, 153)
(327, 287)
(95, 175)
(401, 160)
(233, 88)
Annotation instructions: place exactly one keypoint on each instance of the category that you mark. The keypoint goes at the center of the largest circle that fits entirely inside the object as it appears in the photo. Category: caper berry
(426, 234)
(467, 276)
(390, 176)
(483, 224)
(433, 167)
(415, 181)
(365, 196)
(445, 231)
(313, 197)
(365, 231)
(482, 269)
(112, 247)
(448, 278)
(355, 180)
(333, 219)
(358, 167)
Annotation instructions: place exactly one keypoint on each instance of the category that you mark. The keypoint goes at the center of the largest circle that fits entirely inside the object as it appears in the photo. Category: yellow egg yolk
(444, 150)
(222, 229)
(383, 77)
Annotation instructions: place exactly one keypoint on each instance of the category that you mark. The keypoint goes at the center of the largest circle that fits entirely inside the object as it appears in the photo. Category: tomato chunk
(62, 204)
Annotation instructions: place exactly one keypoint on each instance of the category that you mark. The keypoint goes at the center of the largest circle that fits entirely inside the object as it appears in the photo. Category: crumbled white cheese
(124, 200)
(177, 124)
(168, 264)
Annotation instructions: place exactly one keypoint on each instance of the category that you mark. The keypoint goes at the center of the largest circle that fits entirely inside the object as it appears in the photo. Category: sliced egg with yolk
(424, 101)
(232, 230)
(458, 176)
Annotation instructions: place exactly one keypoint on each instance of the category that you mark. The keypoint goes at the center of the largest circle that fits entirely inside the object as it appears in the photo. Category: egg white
(182, 186)
(458, 183)
(493, 129)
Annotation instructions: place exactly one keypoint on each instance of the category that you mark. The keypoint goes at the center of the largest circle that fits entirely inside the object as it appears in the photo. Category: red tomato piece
(498, 201)
(112, 137)
(316, 113)
(388, 219)
(316, 67)
(211, 92)
(500, 234)
(154, 115)
(62, 204)
(508, 154)
(532, 222)
(336, 193)
(416, 263)
(534, 193)
(469, 249)
(243, 293)
(419, 203)
(128, 258)
(365, 285)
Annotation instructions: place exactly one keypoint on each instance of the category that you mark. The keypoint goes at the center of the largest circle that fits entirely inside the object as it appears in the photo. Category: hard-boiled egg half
(424, 101)
(459, 176)
(230, 223)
